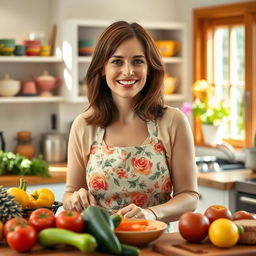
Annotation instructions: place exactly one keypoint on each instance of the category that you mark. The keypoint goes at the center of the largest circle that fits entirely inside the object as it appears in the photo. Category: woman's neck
(125, 113)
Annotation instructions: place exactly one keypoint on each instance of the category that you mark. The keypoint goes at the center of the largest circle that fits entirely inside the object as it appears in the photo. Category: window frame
(230, 14)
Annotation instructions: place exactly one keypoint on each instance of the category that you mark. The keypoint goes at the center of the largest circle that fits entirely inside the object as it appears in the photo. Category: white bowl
(142, 237)
(10, 88)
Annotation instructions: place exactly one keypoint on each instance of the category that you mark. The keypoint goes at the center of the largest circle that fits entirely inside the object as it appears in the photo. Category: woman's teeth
(131, 82)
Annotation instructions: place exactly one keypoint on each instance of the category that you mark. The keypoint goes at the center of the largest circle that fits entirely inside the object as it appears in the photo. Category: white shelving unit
(22, 67)
(28, 59)
(76, 66)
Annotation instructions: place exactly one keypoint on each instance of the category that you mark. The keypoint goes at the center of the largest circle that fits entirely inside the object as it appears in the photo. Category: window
(225, 55)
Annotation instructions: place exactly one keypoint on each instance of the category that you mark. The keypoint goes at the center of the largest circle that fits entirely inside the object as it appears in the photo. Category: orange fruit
(223, 233)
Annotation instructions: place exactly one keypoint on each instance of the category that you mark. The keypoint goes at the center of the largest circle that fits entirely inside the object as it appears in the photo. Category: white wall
(19, 18)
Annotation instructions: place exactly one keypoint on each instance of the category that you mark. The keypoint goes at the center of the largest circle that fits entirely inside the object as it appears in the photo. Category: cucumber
(52, 236)
(116, 219)
(108, 218)
(127, 250)
(97, 225)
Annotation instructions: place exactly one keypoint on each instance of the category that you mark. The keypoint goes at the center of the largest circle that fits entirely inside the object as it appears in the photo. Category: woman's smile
(127, 83)
(127, 69)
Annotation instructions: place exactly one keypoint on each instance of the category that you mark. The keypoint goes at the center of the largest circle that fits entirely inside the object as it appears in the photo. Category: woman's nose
(128, 70)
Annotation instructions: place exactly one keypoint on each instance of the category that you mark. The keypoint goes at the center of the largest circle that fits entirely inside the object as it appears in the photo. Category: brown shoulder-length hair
(149, 104)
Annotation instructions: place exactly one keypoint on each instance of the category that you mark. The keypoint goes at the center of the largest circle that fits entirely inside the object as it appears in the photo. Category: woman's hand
(132, 211)
(80, 199)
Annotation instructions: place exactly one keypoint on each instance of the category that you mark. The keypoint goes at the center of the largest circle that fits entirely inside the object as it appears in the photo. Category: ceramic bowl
(170, 84)
(142, 237)
(168, 48)
(9, 89)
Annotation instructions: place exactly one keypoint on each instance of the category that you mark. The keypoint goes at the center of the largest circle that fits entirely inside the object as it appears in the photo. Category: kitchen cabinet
(75, 66)
(210, 196)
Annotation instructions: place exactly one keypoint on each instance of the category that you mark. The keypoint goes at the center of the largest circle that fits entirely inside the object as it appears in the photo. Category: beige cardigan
(173, 131)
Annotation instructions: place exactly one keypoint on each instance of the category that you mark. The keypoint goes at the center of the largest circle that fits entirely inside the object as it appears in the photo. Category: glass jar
(24, 145)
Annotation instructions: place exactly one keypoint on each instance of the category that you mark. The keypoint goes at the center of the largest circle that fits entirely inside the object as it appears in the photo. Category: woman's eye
(117, 62)
(139, 61)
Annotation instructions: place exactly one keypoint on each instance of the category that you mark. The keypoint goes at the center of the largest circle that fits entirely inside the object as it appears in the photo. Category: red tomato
(42, 218)
(12, 223)
(241, 215)
(193, 226)
(71, 220)
(215, 212)
(22, 238)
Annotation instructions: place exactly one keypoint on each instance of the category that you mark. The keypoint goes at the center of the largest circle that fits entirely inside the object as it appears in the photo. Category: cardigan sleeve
(182, 159)
(80, 139)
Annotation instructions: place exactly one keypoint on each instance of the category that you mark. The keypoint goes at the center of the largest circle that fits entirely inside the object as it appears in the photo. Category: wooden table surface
(169, 244)
(224, 180)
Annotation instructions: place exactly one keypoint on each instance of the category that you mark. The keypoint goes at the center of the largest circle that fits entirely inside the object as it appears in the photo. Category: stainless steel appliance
(54, 144)
(214, 164)
(246, 195)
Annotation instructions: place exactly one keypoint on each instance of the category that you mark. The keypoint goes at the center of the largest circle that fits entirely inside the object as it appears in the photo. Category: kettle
(54, 144)
(2, 141)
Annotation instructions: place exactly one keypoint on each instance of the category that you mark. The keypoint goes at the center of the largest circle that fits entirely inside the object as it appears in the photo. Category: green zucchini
(52, 236)
(127, 250)
(116, 219)
(96, 224)
(107, 218)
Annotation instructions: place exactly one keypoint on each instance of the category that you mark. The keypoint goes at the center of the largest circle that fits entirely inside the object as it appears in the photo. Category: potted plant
(208, 108)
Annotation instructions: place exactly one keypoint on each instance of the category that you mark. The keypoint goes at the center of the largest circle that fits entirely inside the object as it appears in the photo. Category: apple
(193, 227)
(241, 215)
(215, 212)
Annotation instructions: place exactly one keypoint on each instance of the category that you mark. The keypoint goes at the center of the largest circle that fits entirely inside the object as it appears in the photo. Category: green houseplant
(208, 108)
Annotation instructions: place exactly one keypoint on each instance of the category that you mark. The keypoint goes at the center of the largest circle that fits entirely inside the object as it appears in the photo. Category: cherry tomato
(42, 218)
(71, 220)
(193, 226)
(241, 215)
(22, 238)
(12, 223)
(215, 212)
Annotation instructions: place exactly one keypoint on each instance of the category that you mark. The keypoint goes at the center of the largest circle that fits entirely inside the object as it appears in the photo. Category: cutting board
(175, 245)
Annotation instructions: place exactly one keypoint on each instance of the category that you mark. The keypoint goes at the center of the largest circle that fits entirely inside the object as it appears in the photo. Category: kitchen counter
(167, 244)
(224, 180)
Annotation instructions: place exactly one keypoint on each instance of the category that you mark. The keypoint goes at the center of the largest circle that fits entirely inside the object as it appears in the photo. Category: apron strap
(99, 135)
(152, 129)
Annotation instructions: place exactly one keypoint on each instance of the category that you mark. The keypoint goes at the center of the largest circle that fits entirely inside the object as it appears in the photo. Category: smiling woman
(129, 153)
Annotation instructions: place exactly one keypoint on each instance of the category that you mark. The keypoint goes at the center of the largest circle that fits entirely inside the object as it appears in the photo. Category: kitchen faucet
(228, 150)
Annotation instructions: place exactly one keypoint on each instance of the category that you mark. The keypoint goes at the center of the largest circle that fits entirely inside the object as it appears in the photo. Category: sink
(227, 165)
(214, 164)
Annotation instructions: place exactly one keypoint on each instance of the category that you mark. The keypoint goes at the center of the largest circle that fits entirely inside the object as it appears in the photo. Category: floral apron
(118, 176)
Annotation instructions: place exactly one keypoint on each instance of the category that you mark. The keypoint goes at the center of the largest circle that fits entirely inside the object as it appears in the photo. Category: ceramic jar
(9, 87)
(24, 145)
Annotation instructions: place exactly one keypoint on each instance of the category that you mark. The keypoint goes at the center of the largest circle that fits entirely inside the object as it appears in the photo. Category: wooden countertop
(167, 244)
(224, 180)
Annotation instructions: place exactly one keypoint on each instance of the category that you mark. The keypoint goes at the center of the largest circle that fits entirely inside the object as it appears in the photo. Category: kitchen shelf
(167, 98)
(174, 97)
(31, 99)
(76, 66)
(43, 59)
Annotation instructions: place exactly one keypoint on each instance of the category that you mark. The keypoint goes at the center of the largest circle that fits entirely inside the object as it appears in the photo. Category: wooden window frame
(231, 14)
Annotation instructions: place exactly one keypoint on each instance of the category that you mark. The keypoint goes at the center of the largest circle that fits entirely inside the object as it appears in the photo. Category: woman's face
(126, 70)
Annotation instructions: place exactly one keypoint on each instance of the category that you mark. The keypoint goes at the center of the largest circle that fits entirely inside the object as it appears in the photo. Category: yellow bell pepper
(20, 194)
(42, 197)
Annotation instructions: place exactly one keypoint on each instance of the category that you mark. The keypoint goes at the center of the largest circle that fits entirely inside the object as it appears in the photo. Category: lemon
(223, 233)
(20, 196)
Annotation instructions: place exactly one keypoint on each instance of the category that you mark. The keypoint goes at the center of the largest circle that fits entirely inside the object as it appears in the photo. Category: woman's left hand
(132, 211)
